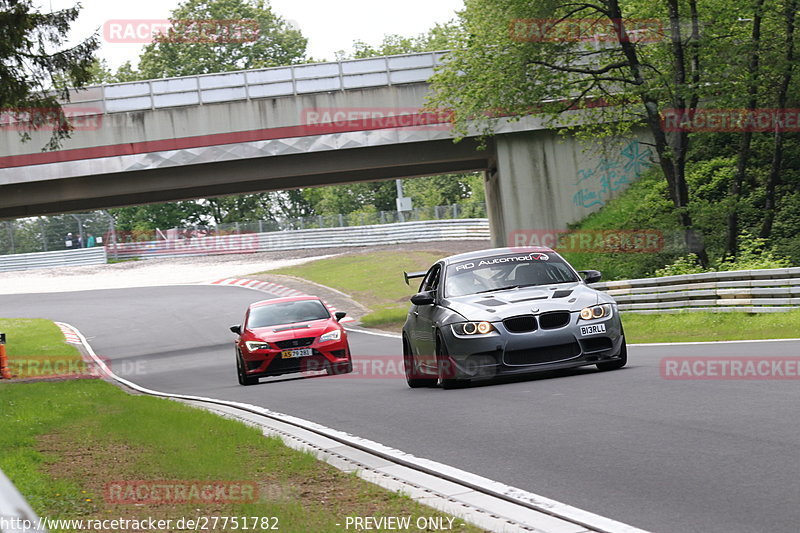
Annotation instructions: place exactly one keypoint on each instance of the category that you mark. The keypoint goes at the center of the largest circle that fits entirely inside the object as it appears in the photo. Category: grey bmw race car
(507, 311)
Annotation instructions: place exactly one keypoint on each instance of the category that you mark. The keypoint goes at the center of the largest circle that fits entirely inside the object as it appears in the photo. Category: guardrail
(16, 515)
(249, 84)
(752, 291)
(85, 256)
(374, 235)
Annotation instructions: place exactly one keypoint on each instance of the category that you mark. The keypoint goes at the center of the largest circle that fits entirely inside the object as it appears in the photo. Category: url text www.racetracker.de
(224, 523)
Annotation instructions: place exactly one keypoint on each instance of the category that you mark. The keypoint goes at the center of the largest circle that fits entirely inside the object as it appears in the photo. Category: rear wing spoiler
(410, 275)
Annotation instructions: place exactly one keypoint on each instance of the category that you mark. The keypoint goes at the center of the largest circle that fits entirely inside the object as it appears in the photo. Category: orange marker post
(4, 372)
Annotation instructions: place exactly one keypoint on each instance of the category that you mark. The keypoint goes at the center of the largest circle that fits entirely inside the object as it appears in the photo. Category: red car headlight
(334, 335)
(256, 345)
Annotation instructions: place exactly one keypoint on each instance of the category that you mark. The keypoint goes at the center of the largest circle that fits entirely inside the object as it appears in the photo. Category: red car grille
(295, 343)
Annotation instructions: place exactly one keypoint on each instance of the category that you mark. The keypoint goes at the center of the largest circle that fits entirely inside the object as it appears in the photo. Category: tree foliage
(36, 70)
(606, 67)
(277, 42)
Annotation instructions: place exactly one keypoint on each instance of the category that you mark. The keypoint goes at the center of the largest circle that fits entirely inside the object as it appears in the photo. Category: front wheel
(412, 371)
(445, 365)
(619, 363)
(244, 379)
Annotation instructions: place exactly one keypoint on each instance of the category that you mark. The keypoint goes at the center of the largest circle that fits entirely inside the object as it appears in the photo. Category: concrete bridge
(300, 126)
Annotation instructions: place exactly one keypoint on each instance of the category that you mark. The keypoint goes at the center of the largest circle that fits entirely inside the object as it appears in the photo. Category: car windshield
(287, 313)
(506, 272)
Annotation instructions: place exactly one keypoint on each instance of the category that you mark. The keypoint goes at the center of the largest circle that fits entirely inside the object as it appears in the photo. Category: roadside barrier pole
(4, 372)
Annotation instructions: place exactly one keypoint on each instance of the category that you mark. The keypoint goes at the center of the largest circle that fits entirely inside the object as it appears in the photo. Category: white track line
(521, 499)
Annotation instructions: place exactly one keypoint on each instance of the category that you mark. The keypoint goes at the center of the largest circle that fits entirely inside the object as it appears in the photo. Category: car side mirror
(591, 276)
(422, 298)
(237, 329)
(339, 315)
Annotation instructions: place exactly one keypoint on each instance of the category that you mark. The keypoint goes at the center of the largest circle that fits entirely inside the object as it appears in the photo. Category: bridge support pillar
(544, 181)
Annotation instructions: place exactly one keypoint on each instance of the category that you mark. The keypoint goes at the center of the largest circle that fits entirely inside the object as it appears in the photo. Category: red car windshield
(287, 313)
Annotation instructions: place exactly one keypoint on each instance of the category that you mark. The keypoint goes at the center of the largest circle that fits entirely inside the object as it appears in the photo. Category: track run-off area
(659, 454)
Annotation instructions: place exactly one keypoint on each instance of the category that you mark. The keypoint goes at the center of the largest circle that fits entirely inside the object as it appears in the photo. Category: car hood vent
(561, 294)
(490, 303)
(529, 299)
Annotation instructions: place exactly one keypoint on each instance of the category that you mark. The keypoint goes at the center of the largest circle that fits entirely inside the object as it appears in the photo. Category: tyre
(244, 379)
(444, 363)
(619, 363)
(410, 369)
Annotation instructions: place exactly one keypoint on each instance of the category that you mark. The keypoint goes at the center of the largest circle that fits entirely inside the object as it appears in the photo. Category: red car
(287, 335)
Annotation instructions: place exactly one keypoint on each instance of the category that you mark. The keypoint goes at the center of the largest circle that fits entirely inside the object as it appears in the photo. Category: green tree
(439, 37)
(444, 189)
(159, 216)
(36, 70)
(184, 52)
(425, 192)
(191, 50)
(509, 65)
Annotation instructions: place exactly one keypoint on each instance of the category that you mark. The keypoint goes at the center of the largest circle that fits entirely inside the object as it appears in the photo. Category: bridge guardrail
(15, 513)
(60, 258)
(379, 234)
(753, 291)
(249, 84)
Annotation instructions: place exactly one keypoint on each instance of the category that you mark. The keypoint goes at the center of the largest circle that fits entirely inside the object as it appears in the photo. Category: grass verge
(64, 442)
(375, 280)
(688, 327)
(36, 348)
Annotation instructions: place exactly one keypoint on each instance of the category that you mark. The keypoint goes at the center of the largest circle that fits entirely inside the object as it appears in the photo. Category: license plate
(290, 354)
(594, 329)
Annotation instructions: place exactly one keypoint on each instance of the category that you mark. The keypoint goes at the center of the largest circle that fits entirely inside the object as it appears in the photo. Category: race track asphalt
(664, 455)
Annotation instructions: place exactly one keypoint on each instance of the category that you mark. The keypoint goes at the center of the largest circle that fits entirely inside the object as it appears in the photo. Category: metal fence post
(43, 227)
(10, 226)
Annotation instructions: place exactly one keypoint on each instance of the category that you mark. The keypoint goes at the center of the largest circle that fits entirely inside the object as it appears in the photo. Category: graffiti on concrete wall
(611, 174)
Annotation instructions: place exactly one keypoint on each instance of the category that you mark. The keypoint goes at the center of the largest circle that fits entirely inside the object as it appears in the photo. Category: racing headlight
(473, 328)
(597, 311)
(252, 346)
(334, 335)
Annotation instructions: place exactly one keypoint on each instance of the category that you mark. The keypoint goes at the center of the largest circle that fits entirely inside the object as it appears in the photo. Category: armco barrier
(85, 256)
(753, 291)
(375, 235)
(15, 512)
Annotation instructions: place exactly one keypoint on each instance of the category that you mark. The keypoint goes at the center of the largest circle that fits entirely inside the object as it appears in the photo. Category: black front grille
(556, 319)
(596, 344)
(295, 343)
(544, 354)
(280, 365)
(520, 324)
